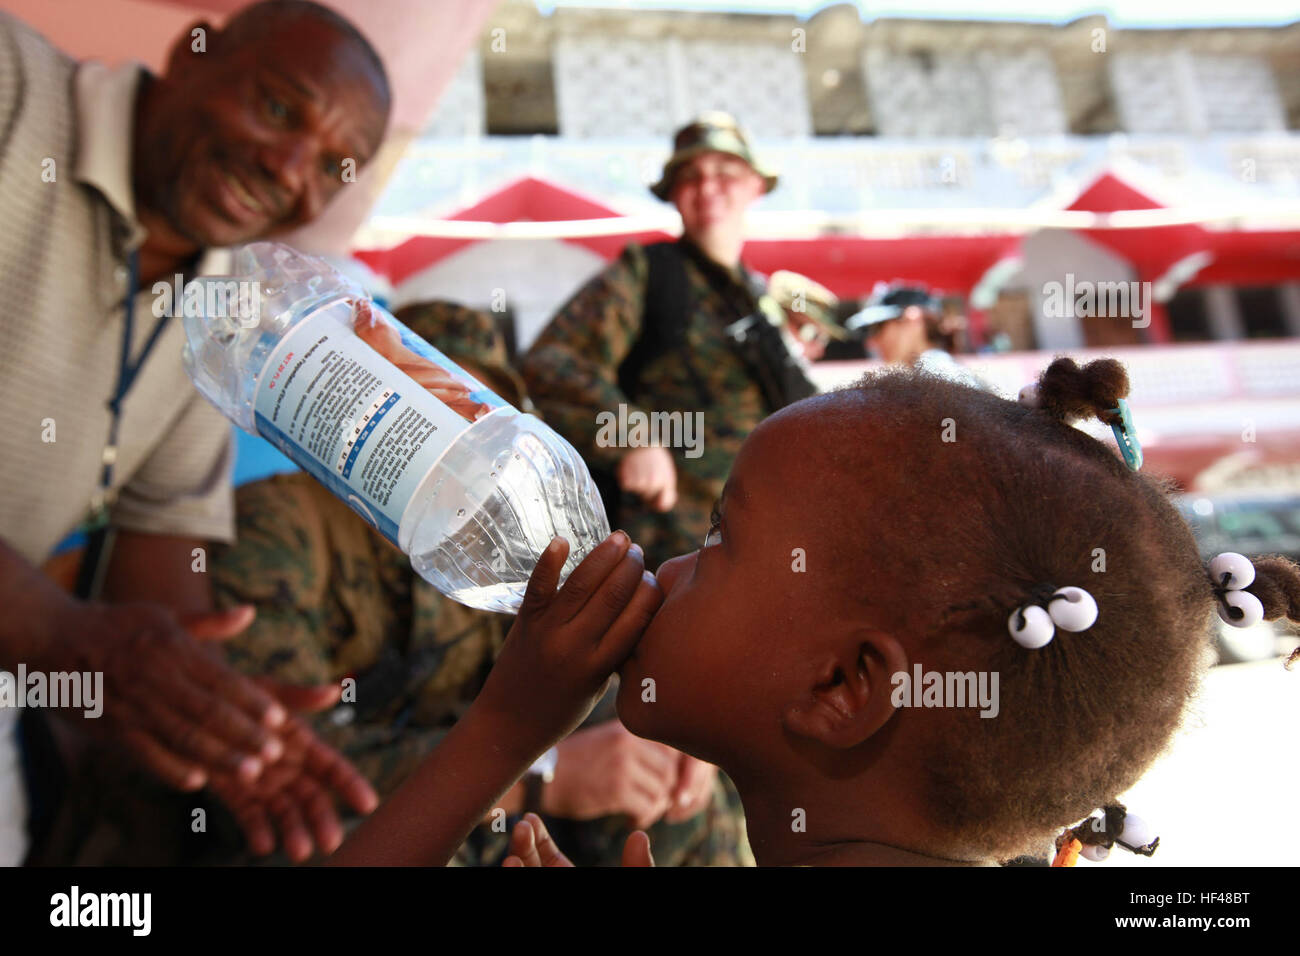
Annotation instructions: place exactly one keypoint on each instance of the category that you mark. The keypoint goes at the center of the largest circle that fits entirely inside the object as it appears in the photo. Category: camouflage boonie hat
(709, 133)
(818, 302)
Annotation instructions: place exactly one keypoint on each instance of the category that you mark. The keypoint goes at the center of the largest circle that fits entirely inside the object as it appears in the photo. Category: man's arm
(34, 607)
(159, 569)
(172, 571)
(156, 678)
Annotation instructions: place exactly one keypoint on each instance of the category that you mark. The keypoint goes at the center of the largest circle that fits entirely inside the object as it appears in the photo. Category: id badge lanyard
(99, 545)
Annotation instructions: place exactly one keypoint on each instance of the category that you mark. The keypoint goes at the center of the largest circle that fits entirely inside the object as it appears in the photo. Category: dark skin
(554, 666)
(297, 775)
(246, 140)
(249, 139)
(799, 715)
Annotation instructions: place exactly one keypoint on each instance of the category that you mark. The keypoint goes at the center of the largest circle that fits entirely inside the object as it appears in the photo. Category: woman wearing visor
(906, 325)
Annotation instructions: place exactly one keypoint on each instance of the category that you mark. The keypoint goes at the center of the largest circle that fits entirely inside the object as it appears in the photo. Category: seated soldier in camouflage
(336, 601)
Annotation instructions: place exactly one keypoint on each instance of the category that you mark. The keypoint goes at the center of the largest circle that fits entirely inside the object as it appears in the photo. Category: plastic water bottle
(469, 487)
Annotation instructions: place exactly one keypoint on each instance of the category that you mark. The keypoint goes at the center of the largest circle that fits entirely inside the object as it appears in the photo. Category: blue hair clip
(1126, 437)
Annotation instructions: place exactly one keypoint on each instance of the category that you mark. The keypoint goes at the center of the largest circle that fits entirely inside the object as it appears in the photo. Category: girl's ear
(850, 696)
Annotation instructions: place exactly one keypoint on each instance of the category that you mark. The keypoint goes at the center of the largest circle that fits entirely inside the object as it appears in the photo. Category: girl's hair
(1006, 499)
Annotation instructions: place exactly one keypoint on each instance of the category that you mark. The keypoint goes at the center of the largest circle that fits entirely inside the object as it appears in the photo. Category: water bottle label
(365, 406)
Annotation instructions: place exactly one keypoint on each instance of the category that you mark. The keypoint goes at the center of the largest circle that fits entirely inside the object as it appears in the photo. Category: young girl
(907, 526)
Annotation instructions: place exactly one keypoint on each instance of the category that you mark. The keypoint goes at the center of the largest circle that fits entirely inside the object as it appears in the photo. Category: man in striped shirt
(108, 175)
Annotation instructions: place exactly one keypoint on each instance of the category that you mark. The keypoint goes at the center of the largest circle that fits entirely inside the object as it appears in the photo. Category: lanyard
(100, 540)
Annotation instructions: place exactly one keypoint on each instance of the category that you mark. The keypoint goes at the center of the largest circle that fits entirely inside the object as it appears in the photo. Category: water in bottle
(471, 488)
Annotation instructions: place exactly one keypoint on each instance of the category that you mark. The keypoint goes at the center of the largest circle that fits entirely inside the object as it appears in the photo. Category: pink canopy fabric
(849, 266)
(1233, 256)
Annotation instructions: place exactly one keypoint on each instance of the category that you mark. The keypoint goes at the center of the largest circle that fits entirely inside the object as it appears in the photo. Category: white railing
(861, 174)
(1178, 391)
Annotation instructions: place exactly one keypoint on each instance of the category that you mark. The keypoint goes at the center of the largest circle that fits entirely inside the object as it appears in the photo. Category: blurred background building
(990, 160)
(920, 130)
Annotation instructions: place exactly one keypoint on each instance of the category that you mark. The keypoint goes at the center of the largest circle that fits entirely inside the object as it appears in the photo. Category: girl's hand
(556, 660)
(565, 644)
(531, 845)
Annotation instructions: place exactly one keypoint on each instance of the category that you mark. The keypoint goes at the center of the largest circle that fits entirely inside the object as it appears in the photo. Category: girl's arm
(553, 668)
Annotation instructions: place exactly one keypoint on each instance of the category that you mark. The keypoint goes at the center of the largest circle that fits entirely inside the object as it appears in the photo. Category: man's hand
(176, 708)
(531, 845)
(650, 473)
(295, 796)
(606, 770)
(694, 788)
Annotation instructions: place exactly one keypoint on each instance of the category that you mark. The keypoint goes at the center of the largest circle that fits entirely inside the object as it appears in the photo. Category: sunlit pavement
(1228, 790)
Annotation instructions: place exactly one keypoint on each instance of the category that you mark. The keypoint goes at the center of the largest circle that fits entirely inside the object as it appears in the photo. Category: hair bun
(1277, 585)
(1070, 393)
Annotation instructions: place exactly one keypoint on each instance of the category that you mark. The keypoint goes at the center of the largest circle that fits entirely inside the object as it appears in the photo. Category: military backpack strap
(758, 341)
(664, 322)
(792, 382)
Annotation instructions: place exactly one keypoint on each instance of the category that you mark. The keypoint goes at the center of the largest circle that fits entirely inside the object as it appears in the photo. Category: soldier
(681, 330)
(337, 601)
(810, 313)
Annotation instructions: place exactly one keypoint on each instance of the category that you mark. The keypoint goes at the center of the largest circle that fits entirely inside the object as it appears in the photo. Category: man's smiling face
(260, 130)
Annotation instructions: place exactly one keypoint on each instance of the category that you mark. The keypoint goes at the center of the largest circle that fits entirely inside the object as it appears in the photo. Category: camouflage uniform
(336, 600)
(572, 374)
(573, 369)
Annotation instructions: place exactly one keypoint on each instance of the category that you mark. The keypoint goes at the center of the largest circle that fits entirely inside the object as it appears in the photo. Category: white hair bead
(1252, 611)
(1038, 630)
(1095, 853)
(1137, 832)
(1029, 396)
(1237, 565)
(1073, 609)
